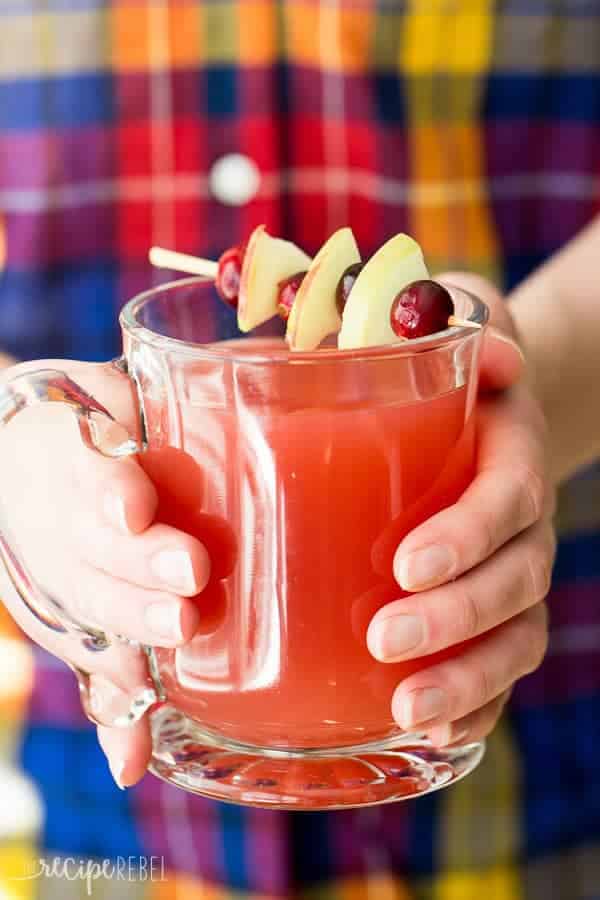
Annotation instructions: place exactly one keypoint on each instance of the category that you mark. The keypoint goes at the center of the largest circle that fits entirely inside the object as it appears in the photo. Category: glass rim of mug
(131, 325)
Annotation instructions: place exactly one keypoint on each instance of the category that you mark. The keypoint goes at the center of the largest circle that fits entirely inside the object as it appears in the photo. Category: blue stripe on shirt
(61, 102)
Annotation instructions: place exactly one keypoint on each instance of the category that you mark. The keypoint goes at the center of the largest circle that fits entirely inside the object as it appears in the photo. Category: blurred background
(21, 810)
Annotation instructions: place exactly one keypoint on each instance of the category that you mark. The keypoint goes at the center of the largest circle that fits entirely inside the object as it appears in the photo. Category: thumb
(502, 360)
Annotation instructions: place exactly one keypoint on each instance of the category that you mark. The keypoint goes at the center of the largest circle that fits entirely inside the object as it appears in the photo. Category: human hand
(84, 525)
(481, 568)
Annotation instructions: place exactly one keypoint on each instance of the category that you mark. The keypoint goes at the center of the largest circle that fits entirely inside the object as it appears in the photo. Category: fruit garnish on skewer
(387, 299)
(247, 278)
(229, 272)
(267, 262)
(366, 319)
(225, 273)
(421, 308)
(288, 290)
(345, 285)
(315, 313)
(424, 308)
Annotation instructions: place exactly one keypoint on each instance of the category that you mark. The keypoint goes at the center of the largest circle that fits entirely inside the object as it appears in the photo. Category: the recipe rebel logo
(120, 868)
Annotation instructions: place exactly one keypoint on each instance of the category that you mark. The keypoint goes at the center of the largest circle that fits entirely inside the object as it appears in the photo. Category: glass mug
(300, 473)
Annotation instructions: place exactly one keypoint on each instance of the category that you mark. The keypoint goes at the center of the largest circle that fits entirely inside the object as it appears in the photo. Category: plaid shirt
(472, 124)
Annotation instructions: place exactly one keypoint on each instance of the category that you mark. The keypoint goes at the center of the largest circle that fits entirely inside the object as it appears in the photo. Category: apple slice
(366, 319)
(314, 314)
(267, 261)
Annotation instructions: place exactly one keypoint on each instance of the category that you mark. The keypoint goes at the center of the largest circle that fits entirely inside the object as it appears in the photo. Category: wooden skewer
(182, 262)
(462, 323)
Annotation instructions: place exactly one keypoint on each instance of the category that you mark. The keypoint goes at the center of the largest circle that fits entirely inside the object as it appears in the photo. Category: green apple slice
(366, 319)
(314, 313)
(267, 262)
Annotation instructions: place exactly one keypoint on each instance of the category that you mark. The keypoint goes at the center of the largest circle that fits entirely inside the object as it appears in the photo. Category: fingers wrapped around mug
(510, 582)
(494, 611)
(510, 493)
(460, 693)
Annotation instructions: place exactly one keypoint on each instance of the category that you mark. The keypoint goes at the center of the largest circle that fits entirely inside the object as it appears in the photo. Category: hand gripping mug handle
(103, 434)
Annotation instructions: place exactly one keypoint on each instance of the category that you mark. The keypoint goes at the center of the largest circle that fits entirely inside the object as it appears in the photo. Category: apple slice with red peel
(267, 262)
(314, 314)
(366, 318)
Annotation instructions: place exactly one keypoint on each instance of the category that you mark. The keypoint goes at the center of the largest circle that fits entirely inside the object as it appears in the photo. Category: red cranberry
(228, 276)
(287, 294)
(421, 308)
(345, 285)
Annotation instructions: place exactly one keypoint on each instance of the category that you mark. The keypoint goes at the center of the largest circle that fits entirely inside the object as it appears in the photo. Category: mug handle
(101, 433)
(98, 428)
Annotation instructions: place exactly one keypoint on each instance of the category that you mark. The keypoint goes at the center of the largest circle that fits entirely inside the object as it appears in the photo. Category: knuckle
(551, 542)
(532, 642)
(481, 687)
(551, 502)
(494, 713)
(470, 618)
(539, 573)
(483, 527)
(532, 491)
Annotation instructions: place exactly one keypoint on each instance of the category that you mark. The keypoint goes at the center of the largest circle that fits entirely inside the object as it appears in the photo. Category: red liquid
(301, 507)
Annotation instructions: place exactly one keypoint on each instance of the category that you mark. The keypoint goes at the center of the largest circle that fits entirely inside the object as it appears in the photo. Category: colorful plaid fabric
(472, 124)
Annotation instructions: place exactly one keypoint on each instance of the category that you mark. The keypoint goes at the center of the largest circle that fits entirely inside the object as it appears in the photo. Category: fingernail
(114, 510)
(425, 567)
(421, 706)
(175, 570)
(164, 620)
(501, 336)
(446, 734)
(117, 768)
(394, 636)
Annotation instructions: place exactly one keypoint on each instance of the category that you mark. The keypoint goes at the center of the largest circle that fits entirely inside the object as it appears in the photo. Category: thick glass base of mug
(398, 768)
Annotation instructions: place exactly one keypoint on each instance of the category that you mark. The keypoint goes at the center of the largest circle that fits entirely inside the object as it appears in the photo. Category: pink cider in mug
(336, 462)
